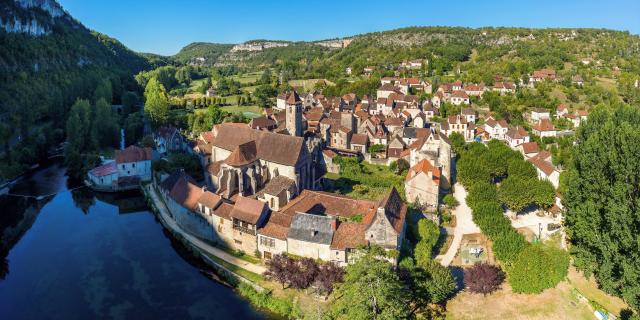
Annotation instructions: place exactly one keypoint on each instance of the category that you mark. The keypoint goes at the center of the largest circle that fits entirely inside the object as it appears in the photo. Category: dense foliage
(483, 278)
(303, 273)
(602, 201)
(478, 168)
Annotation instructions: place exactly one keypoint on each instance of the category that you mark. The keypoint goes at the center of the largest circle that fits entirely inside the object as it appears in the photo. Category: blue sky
(166, 26)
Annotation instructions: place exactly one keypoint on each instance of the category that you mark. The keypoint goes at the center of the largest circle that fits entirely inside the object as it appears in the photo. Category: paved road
(464, 225)
(166, 217)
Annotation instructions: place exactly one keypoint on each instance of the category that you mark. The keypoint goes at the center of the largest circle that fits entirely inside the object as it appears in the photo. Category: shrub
(428, 234)
(538, 268)
(265, 300)
(450, 201)
(483, 278)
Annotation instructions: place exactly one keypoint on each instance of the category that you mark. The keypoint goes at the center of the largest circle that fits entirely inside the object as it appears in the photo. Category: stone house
(310, 236)
(497, 129)
(133, 165)
(169, 139)
(247, 215)
(360, 143)
(469, 114)
(538, 114)
(422, 184)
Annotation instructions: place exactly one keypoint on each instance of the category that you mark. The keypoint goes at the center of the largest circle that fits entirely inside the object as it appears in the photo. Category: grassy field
(248, 111)
(246, 78)
(245, 273)
(589, 289)
(560, 302)
(372, 183)
(307, 84)
(556, 303)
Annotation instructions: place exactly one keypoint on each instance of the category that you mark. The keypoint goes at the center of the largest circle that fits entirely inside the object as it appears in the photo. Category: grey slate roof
(311, 228)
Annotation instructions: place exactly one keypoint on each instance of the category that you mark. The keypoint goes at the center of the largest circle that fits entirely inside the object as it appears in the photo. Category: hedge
(530, 268)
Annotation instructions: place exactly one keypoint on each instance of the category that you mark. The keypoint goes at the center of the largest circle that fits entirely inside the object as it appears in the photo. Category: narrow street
(464, 225)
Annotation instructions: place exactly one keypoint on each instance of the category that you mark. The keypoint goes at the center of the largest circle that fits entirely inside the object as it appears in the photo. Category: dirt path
(166, 217)
(464, 225)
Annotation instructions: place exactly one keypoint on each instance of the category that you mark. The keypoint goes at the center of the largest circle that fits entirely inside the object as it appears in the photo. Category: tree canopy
(603, 201)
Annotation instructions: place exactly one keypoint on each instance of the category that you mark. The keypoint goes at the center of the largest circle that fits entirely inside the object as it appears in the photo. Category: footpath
(464, 225)
(199, 244)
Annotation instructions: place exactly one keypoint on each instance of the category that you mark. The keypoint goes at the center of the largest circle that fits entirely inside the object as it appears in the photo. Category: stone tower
(293, 109)
(445, 162)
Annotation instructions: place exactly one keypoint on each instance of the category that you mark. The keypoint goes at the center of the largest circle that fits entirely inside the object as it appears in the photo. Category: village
(268, 186)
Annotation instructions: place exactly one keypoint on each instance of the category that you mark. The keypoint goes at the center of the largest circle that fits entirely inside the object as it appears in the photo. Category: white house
(459, 97)
(133, 163)
(538, 114)
(470, 114)
(516, 136)
(546, 171)
(497, 129)
(544, 128)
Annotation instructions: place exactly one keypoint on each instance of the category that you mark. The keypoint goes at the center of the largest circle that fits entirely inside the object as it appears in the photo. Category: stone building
(422, 184)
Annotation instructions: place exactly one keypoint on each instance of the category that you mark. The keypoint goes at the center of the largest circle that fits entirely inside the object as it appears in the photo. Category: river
(81, 255)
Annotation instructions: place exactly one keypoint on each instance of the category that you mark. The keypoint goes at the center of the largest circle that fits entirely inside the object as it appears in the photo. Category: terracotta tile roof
(214, 167)
(544, 125)
(544, 166)
(319, 202)
(349, 235)
(207, 136)
(359, 138)
(460, 94)
(133, 154)
(243, 154)
(329, 153)
(262, 122)
(277, 226)
(425, 167)
(562, 107)
(278, 184)
(104, 170)
(517, 133)
(186, 192)
(582, 113)
(293, 98)
(248, 209)
(209, 199)
(224, 210)
(530, 147)
(272, 147)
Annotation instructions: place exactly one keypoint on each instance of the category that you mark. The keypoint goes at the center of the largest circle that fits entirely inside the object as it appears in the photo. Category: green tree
(156, 103)
(602, 201)
(263, 95)
(428, 234)
(105, 125)
(457, 142)
(371, 290)
(538, 268)
(103, 91)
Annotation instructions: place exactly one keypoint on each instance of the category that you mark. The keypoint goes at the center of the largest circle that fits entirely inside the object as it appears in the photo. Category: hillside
(201, 53)
(47, 60)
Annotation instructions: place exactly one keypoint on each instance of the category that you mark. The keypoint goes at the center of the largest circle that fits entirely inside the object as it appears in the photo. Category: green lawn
(246, 78)
(365, 181)
(245, 273)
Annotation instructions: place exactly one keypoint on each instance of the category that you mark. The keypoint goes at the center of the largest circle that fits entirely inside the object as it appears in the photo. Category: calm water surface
(80, 255)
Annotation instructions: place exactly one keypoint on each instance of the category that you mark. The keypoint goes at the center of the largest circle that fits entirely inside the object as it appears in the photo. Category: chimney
(334, 224)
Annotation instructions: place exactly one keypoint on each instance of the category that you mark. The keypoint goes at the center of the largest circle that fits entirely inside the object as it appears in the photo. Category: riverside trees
(602, 201)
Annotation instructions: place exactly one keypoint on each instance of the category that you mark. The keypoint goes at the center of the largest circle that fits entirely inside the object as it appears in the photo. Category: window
(221, 221)
(123, 167)
(219, 228)
(267, 242)
(133, 165)
(238, 242)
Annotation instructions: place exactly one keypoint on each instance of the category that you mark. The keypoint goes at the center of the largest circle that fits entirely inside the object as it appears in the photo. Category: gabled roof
(544, 125)
(186, 192)
(544, 166)
(359, 138)
(277, 226)
(293, 98)
(209, 199)
(517, 133)
(243, 154)
(133, 154)
(424, 166)
(273, 147)
(248, 209)
(278, 184)
(395, 210)
(349, 235)
(326, 203)
(104, 170)
(530, 147)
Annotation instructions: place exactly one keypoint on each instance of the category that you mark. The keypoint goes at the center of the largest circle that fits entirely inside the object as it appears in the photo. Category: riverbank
(239, 273)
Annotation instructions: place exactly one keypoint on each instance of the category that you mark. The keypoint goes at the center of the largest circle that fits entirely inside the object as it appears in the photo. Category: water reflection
(82, 255)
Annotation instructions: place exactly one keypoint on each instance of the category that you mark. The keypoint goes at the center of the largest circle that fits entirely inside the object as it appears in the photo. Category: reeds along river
(80, 255)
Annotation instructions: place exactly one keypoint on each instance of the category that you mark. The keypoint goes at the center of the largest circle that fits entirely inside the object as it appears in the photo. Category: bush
(483, 278)
(265, 300)
(428, 234)
(538, 268)
(450, 201)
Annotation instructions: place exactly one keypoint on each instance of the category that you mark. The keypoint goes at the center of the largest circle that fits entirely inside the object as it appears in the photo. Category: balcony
(244, 229)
